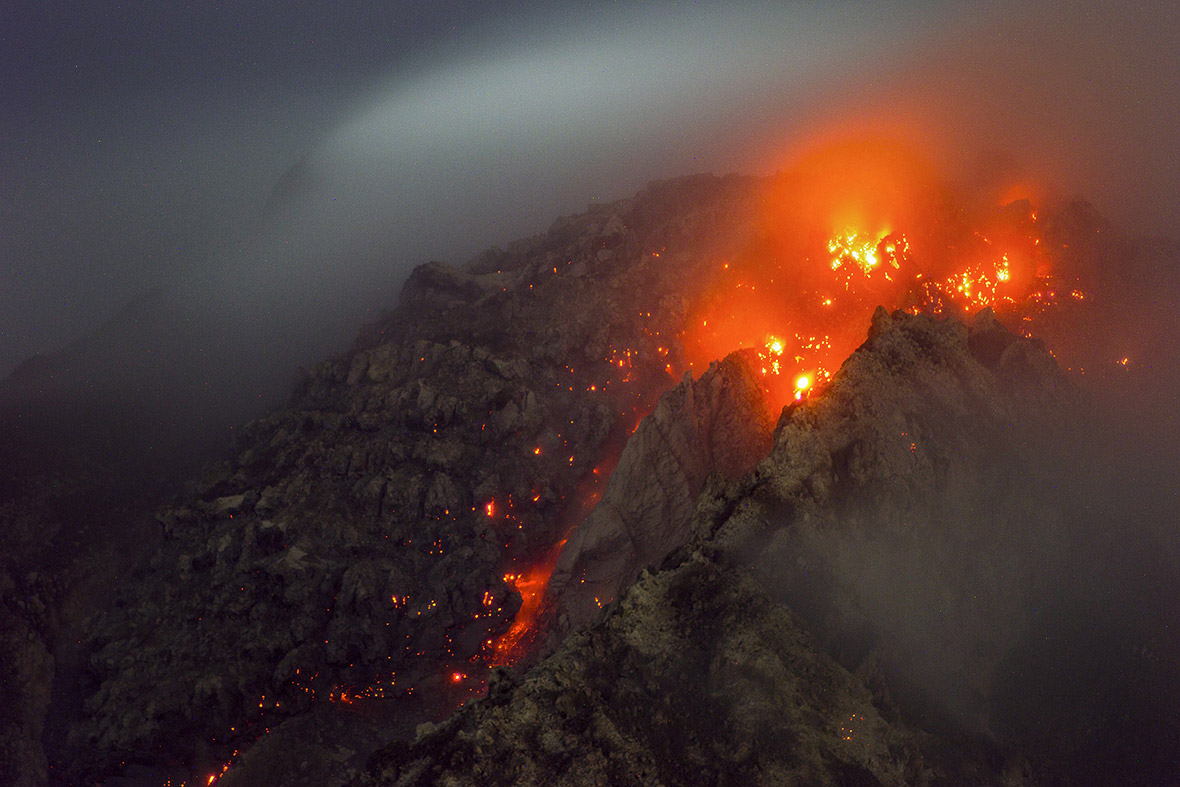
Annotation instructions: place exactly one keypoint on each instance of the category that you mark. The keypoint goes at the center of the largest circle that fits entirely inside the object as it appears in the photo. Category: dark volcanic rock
(834, 600)
(913, 511)
(693, 677)
(358, 542)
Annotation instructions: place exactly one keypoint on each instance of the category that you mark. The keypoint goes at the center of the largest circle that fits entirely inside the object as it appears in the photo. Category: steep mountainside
(358, 545)
(902, 512)
(720, 423)
(913, 523)
(536, 479)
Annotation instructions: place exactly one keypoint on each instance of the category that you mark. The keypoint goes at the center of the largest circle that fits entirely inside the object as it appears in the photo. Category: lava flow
(530, 583)
(855, 227)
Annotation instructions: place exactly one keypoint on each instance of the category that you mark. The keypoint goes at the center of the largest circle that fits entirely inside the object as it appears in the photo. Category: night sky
(141, 142)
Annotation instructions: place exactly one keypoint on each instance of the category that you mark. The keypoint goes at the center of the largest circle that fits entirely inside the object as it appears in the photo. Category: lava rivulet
(530, 583)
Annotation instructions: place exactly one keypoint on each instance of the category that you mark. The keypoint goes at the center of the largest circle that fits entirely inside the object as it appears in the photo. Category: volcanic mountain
(659, 496)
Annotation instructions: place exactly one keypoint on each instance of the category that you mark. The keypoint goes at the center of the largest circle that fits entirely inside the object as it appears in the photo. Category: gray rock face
(914, 509)
(720, 423)
(693, 677)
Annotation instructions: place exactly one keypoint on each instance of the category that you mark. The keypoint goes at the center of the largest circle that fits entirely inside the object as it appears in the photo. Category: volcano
(739, 480)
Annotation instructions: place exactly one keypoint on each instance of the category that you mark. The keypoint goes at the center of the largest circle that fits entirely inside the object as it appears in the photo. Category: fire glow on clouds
(489, 136)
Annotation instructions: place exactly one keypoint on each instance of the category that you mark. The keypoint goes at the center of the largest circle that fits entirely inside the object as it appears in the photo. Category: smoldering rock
(908, 518)
(693, 676)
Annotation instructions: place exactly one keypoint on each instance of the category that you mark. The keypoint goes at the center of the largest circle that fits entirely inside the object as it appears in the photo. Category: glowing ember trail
(530, 583)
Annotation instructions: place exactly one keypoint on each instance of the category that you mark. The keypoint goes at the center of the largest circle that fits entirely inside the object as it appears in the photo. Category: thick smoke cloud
(143, 161)
(531, 122)
(1078, 97)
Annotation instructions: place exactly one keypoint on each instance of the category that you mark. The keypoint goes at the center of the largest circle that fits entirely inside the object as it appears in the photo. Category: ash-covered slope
(913, 522)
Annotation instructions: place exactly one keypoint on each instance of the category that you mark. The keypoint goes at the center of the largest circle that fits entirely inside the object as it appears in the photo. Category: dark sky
(140, 141)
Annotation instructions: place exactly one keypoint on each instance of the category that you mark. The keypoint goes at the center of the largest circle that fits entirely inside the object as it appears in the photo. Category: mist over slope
(919, 521)
(143, 154)
(421, 485)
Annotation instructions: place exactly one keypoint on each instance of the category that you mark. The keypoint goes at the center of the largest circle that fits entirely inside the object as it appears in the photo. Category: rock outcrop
(357, 544)
(694, 676)
(720, 423)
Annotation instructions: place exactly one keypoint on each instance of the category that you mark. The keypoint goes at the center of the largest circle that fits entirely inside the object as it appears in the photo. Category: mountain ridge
(374, 550)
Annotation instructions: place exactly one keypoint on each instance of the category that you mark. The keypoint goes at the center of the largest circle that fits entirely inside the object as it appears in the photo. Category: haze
(146, 147)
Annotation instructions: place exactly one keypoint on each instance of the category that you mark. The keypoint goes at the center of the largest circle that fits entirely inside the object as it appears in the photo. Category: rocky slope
(357, 545)
(860, 609)
(693, 677)
(376, 548)
(720, 423)
(865, 515)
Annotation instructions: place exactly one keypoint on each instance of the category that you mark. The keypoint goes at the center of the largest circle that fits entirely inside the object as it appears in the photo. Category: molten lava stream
(530, 583)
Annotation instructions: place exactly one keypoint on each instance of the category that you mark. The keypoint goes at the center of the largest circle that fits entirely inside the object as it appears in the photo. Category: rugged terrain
(869, 515)
(856, 590)
(357, 545)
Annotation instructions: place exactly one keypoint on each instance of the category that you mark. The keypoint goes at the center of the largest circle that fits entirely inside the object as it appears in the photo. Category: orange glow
(852, 226)
(491, 508)
(530, 583)
(457, 677)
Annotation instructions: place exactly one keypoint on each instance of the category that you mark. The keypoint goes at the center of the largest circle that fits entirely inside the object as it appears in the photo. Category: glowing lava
(854, 227)
(801, 385)
(530, 583)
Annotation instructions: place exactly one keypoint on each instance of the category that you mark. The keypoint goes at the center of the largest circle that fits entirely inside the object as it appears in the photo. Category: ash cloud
(1077, 99)
(464, 130)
